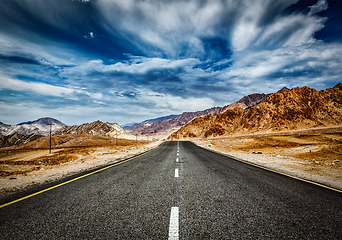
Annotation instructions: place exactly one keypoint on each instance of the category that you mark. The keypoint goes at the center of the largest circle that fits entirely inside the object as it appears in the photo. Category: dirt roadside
(314, 156)
(40, 167)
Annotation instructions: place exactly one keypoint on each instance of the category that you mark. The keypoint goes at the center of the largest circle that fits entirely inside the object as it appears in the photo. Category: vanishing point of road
(177, 191)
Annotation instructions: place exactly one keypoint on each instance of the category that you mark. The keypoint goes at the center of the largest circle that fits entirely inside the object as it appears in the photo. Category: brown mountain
(147, 128)
(247, 101)
(172, 124)
(16, 139)
(97, 128)
(295, 109)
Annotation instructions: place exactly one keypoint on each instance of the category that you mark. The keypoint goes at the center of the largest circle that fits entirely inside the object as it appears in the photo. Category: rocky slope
(16, 139)
(97, 128)
(247, 101)
(129, 126)
(295, 109)
(38, 127)
(168, 124)
(161, 125)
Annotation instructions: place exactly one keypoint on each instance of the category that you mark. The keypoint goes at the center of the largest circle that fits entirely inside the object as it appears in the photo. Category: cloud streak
(162, 57)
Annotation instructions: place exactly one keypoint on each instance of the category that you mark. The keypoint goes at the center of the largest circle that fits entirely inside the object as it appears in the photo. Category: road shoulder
(286, 165)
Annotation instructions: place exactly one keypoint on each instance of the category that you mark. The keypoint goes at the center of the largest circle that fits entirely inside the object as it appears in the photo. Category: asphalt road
(209, 196)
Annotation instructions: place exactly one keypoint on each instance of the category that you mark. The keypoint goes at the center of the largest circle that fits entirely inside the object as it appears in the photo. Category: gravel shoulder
(312, 157)
(80, 161)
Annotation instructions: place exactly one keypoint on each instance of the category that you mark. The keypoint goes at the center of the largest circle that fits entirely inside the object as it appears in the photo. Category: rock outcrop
(38, 127)
(16, 139)
(97, 128)
(298, 108)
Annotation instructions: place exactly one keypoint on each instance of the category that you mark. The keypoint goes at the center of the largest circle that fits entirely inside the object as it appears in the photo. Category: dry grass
(66, 148)
(315, 149)
(315, 155)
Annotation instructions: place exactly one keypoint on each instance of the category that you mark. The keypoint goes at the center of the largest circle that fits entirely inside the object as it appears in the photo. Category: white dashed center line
(174, 224)
(176, 172)
(177, 159)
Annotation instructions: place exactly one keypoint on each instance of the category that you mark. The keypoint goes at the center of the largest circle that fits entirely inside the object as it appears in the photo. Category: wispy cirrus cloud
(34, 87)
(162, 57)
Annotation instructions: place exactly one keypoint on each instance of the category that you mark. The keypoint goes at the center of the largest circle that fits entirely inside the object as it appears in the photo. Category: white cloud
(174, 104)
(137, 65)
(36, 87)
(320, 6)
(294, 65)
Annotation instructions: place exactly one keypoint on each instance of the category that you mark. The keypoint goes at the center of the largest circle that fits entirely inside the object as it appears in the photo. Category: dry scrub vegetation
(316, 149)
(314, 155)
(65, 148)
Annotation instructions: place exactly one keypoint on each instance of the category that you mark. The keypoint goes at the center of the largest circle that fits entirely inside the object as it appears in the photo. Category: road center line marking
(177, 160)
(176, 172)
(174, 224)
(177, 154)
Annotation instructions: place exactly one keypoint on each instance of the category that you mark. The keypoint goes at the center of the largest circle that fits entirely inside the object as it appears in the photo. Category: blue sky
(126, 61)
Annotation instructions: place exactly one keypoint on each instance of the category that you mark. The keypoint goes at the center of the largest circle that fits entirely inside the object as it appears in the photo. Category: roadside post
(50, 124)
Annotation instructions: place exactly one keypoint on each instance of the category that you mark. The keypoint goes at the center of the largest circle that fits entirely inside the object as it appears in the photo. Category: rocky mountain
(97, 128)
(147, 128)
(38, 127)
(286, 110)
(149, 121)
(170, 123)
(247, 101)
(16, 139)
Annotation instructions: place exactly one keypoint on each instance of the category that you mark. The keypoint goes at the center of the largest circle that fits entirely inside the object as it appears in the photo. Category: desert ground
(32, 163)
(314, 154)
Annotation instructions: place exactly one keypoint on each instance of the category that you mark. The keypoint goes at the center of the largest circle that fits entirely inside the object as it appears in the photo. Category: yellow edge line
(74, 179)
(271, 170)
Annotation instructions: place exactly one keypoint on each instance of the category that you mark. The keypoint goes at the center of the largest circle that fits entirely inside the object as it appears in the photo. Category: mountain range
(157, 127)
(97, 128)
(247, 101)
(16, 139)
(39, 127)
(285, 110)
(149, 121)
(171, 124)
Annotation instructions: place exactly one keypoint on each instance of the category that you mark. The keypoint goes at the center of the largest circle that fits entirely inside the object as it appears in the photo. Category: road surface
(177, 191)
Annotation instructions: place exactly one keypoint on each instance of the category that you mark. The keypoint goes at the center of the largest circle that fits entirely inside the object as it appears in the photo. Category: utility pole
(50, 124)
(116, 136)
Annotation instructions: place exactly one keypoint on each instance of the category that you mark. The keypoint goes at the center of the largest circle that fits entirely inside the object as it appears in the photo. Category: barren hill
(298, 108)
(97, 128)
(70, 141)
(16, 139)
(149, 121)
(247, 101)
(168, 124)
(39, 127)
(172, 124)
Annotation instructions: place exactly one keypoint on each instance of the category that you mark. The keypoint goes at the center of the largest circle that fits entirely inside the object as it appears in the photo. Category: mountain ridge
(16, 139)
(168, 124)
(97, 128)
(150, 121)
(38, 127)
(287, 110)
(173, 124)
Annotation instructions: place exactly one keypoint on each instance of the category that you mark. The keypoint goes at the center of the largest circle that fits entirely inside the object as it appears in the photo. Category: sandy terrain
(23, 168)
(316, 156)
